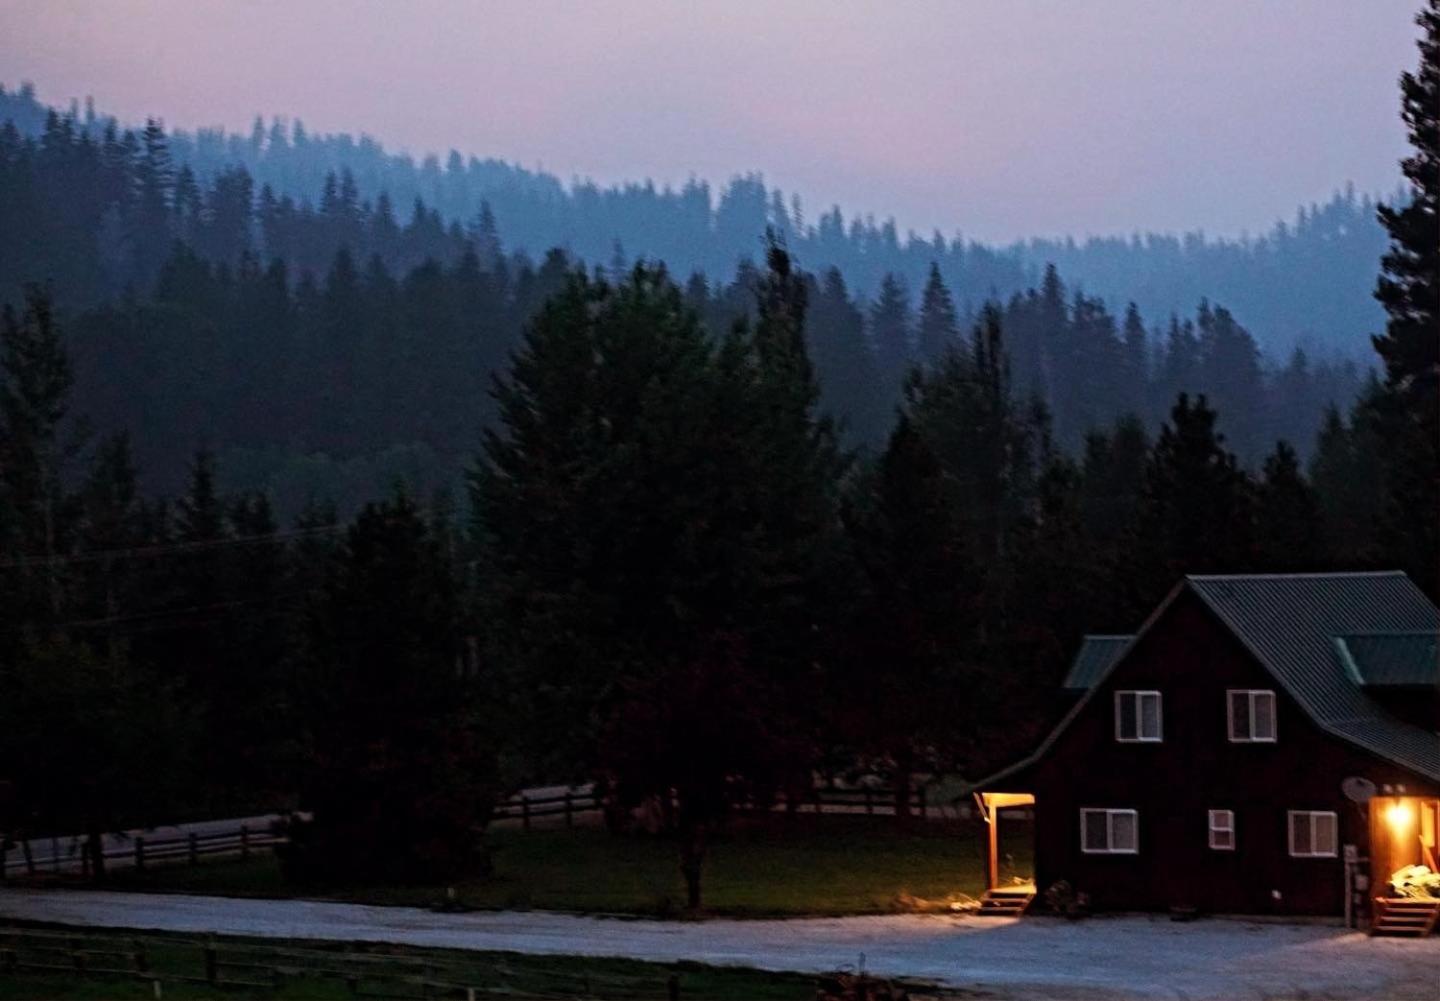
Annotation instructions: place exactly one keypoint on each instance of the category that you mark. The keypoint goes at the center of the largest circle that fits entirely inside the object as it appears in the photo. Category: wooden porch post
(992, 868)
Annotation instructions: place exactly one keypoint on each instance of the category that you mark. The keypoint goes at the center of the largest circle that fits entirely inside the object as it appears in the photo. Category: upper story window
(1222, 830)
(1252, 715)
(1137, 716)
(1313, 833)
(1109, 832)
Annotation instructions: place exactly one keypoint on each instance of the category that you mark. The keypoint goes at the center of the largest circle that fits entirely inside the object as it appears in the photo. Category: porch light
(1400, 816)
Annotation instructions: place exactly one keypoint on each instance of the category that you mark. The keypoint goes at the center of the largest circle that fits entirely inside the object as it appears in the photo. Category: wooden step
(1404, 916)
(1003, 903)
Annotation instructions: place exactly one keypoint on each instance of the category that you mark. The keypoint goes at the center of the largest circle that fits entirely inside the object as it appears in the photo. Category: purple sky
(1000, 118)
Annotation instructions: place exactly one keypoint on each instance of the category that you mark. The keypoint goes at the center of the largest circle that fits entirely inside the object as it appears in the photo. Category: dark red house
(1204, 763)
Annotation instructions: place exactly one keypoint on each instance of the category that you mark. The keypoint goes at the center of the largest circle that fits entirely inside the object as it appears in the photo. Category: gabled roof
(1391, 658)
(1094, 658)
(1289, 623)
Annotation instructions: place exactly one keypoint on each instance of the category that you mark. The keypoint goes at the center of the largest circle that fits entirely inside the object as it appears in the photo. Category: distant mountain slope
(1308, 281)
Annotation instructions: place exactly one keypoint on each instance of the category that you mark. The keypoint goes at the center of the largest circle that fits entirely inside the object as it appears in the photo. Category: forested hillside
(324, 346)
(1305, 280)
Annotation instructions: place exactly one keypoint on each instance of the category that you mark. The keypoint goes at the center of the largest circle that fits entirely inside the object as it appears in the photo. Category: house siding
(1193, 659)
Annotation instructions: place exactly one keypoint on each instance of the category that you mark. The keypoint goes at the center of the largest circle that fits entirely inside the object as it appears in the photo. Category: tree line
(325, 349)
(668, 572)
(1305, 279)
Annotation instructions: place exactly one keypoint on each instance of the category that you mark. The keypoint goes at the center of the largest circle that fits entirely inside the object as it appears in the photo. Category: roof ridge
(1387, 632)
(1295, 576)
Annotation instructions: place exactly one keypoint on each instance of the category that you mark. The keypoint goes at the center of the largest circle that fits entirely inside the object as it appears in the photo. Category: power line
(155, 618)
(161, 549)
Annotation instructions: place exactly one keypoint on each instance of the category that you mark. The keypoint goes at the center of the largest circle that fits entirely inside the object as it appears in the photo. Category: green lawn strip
(505, 974)
(780, 868)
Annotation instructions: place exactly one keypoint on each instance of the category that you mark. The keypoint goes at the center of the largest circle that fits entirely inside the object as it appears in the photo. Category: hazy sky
(1000, 118)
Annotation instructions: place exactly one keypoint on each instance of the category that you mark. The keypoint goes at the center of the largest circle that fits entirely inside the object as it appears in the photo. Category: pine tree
(939, 326)
(1347, 471)
(400, 778)
(891, 335)
(1409, 289)
(35, 381)
(844, 362)
(1196, 511)
(1288, 529)
(914, 616)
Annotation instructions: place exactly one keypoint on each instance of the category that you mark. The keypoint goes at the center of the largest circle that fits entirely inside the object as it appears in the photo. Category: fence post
(569, 816)
(192, 841)
(524, 812)
(29, 856)
(244, 841)
(139, 851)
(212, 962)
(142, 961)
(921, 792)
(672, 987)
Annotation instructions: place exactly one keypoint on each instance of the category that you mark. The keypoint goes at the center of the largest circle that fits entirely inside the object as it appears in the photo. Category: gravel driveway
(1124, 957)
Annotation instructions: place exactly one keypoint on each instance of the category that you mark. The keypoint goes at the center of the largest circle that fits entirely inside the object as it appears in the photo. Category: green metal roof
(1290, 622)
(1390, 658)
(1094, 658)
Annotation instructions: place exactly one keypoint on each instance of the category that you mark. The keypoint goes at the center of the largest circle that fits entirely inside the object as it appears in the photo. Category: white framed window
(1137, 717)
(1313, 833)
(1109, 832)
(1251, 714)
(1222, 830)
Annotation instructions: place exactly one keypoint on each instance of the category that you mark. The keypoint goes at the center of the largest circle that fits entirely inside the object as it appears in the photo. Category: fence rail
(240, 966)
(137, 850)
(141, 850)
(870, 801)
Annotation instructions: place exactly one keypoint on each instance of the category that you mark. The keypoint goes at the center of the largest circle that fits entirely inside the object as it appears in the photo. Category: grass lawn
(490, 973)
(800, 865)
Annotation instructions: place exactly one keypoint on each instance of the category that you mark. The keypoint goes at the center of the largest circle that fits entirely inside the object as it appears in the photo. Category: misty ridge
(1305, 282)
(326, 317)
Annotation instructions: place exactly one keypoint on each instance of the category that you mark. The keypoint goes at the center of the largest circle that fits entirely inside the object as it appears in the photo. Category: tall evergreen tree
(400, 779)
(939, 326)
(1409, 289)
(1288, 529)
(1195, 516)
(890, 333)
(35, 381)
(913, 616)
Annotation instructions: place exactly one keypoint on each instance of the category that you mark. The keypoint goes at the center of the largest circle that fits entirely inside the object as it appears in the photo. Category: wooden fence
(565, 807)
(256, 967)
(570, 804)
(142, 851)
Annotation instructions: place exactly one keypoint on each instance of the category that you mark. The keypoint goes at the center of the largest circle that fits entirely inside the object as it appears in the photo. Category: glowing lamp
(1399, 816)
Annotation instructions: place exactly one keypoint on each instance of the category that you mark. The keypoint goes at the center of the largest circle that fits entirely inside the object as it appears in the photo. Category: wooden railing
(572, 803)
(253, 968)
(565, 807)
(142, 851)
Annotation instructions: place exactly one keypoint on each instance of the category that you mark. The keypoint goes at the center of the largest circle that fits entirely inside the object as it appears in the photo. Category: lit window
(1252, 716)
(1137, 716)
(1313, 834)
(1222, 830)
(1109, 832)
